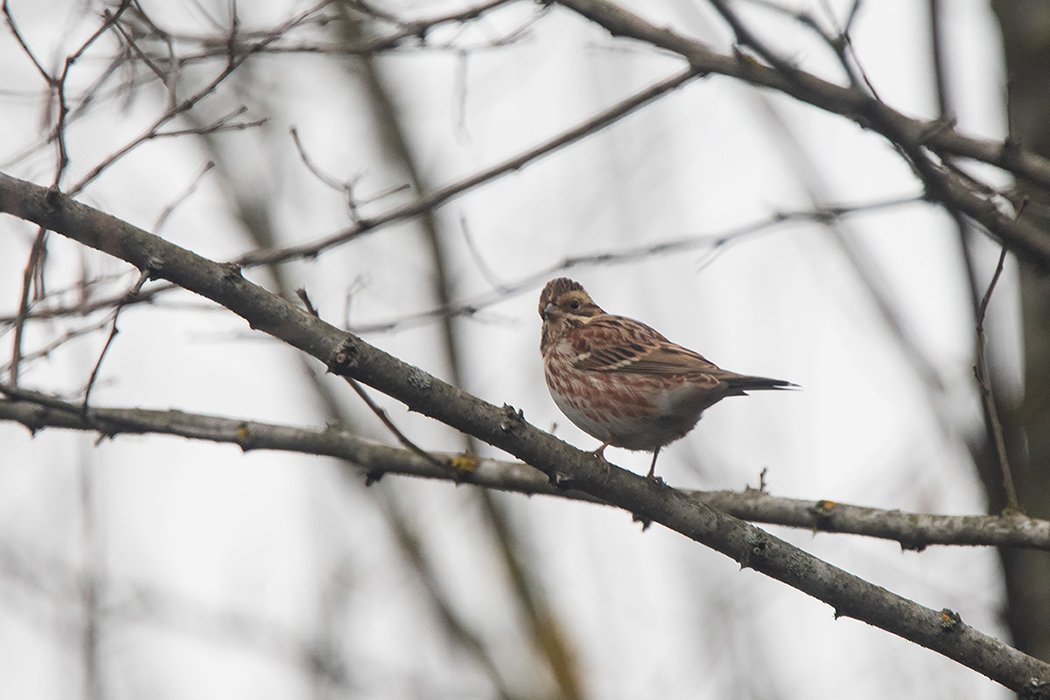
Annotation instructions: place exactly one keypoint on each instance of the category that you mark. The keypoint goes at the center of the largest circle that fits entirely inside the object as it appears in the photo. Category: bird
(623, 382)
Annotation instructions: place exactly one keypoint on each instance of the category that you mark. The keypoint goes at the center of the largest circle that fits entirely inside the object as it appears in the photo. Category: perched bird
(623, 382)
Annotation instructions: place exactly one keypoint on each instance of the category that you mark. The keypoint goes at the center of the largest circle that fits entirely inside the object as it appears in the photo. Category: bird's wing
(618, 344)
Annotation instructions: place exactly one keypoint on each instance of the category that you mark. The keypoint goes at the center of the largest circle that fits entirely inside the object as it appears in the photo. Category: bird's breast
(635, 411)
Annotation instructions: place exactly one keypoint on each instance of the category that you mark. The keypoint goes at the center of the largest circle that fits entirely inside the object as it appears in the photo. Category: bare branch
(914, 531)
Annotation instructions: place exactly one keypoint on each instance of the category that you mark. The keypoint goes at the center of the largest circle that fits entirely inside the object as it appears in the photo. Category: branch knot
(344, 358)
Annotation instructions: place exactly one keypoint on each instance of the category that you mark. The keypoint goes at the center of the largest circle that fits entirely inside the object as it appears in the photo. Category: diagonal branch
(506, 428)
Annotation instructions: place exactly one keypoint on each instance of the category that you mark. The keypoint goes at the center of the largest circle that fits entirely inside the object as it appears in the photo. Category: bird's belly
(637, 412)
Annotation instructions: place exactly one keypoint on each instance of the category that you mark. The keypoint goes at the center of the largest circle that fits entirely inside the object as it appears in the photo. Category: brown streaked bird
(621, 381)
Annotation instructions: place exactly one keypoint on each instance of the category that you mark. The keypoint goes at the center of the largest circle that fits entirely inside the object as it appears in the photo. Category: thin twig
(58, 87)
(10, 21)
(991, 414)
(154, 130)
(168, 210)
(335, 184)
(131, 294)
(946, 113)
(401, 437)
(66, 337)
(36, 256)
(83, 308)
(372, 405)
(479, 260)
(439, 196)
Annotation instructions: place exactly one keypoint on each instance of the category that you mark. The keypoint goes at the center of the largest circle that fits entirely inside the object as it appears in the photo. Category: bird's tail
(743, 382)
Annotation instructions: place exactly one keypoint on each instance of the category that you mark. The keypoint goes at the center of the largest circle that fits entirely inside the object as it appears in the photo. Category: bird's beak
(549, 310)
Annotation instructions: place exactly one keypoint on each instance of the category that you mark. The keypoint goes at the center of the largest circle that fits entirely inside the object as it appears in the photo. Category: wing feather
(609, 343)
(618, 344)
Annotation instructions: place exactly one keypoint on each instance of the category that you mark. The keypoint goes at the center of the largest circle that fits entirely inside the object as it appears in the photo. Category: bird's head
(564, 304)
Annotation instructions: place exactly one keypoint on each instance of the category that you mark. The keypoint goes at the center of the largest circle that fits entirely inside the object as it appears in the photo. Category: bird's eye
(574, 304)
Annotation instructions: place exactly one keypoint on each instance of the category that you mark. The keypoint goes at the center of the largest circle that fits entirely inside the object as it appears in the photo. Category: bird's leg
(652, 467)
(600, 454)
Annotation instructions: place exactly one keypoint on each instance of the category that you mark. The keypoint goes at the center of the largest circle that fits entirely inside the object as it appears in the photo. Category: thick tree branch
(911, 530)
(505, 428)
